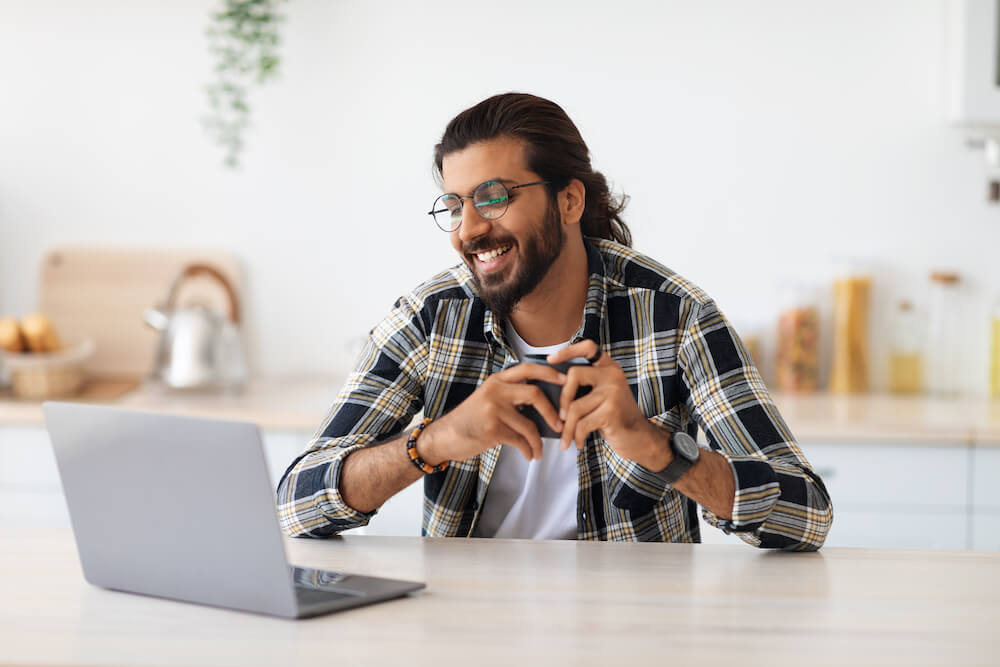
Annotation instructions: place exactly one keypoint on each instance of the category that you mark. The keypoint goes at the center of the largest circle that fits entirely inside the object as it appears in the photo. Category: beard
(501, 294)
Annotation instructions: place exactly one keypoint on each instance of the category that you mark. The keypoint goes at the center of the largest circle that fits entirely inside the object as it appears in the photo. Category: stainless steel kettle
(198, 347)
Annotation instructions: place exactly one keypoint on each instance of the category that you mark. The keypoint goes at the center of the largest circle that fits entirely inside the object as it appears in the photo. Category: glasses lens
(447, 212)
(490, 199)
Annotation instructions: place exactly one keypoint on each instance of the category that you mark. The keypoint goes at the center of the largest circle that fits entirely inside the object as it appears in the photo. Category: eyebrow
(498, 179)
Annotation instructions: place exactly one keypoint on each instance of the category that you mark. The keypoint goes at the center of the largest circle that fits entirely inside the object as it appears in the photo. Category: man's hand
(489, 417)
(609, 408)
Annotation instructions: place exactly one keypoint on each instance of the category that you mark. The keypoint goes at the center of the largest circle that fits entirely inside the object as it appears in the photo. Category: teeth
(489, 256)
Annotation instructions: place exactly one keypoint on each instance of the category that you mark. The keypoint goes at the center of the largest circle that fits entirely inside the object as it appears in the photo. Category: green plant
(244, 38)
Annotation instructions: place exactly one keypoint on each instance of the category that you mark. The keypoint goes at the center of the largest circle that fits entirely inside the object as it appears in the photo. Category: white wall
(758, 141)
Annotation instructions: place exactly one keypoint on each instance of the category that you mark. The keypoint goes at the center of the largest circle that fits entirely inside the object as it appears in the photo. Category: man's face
(511, 255)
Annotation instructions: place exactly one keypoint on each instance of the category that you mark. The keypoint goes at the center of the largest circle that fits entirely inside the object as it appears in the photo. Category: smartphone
(552, 391)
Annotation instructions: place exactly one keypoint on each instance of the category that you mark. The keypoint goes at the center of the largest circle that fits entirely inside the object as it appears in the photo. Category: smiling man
(547, 270)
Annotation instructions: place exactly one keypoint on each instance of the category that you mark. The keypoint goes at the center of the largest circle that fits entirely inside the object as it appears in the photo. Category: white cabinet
(973, 45)
(986, 478)
(920, 497)
(914, 497)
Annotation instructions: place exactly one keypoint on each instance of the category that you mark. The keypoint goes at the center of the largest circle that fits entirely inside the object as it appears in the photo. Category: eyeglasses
(490, 199)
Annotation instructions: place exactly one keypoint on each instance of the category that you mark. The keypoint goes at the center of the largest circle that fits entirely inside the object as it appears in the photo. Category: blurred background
(769, 149)
(761, 145)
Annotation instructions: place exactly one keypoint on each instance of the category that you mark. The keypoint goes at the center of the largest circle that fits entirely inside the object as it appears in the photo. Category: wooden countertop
(293, 404)
(299, 404)
(524, 602)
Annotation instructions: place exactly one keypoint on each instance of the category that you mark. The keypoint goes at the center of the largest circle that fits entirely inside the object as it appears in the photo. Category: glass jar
(943, 352)
(849, 368)
(796, 358)
(995, 350)
(906, 354)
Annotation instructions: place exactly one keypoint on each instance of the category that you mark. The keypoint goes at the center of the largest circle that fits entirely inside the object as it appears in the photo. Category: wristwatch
(686, 453)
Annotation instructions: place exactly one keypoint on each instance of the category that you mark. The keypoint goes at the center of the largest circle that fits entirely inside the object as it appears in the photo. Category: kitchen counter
(293, 404)
(299, 404)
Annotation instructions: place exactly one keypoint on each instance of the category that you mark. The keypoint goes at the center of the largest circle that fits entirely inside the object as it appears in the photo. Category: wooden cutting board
(103, 293)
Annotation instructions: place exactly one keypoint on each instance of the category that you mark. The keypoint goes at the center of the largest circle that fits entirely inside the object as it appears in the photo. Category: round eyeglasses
(490, 199)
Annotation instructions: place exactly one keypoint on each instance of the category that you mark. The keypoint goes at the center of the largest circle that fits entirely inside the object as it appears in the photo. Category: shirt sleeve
(781, 503)
(380, 398)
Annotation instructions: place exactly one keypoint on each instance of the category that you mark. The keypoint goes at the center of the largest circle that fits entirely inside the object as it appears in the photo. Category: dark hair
(555, 151)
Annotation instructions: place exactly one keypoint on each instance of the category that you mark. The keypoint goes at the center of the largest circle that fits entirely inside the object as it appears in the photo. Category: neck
(553, 311)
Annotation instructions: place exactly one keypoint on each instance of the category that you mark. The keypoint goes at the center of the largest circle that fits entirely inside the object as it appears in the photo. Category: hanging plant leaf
(243, 36)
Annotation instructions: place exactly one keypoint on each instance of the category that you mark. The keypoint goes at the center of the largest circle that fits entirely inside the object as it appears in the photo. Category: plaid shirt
(685, 365)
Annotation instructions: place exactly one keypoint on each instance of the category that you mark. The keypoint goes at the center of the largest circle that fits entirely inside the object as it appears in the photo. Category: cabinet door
(986, 478)
(27, 462)
(30, 491)
(882, 477)
(895, 496)
(928, 529)
(986, 530)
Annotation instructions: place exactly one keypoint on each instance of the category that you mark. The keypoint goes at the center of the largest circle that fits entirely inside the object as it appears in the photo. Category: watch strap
(678, 467)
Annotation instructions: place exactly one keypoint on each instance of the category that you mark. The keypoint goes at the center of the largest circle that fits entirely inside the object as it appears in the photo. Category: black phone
(552, 391)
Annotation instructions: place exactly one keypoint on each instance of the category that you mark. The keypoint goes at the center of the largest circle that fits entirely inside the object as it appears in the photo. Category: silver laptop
(182, 508)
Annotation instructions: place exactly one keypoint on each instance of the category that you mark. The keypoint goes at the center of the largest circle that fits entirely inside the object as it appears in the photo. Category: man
(547, 270)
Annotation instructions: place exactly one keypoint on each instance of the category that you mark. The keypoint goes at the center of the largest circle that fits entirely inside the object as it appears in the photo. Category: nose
(473, 224)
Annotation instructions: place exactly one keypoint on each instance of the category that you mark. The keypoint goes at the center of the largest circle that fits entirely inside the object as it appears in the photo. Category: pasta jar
(796, 358)
(906, 354)
(849, 369)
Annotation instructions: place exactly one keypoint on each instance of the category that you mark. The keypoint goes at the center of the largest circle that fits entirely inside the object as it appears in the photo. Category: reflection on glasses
(490, 199)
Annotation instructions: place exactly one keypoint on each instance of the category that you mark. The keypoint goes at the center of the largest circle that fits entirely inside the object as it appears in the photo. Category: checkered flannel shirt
(685, 365)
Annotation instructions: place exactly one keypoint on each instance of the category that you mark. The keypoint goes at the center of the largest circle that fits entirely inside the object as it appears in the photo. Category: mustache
(485, 244)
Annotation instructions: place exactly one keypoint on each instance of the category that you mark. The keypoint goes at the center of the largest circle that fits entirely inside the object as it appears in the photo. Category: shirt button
(583, 515)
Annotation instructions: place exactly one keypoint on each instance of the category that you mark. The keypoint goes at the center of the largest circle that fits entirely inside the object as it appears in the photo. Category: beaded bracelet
(411, 451)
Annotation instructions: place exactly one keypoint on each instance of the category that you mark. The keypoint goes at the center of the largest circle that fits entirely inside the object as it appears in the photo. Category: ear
(571, 202)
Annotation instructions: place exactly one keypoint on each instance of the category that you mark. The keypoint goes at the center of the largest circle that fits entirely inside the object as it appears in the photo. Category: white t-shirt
(532, 499)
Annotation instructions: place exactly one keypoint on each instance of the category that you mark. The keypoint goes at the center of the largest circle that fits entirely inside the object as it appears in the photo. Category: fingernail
(562, 414)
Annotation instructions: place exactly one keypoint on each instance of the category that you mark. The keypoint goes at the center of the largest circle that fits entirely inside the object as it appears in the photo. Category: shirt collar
(593, 311)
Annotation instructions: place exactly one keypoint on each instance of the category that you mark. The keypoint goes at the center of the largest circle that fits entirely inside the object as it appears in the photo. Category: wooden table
(511, 602)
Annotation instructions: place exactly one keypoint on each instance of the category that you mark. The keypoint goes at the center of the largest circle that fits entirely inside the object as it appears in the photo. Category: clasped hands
(489, 416)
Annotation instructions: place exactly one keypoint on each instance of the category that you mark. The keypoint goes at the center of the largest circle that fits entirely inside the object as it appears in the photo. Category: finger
(530, 371)
(509, 436)
(576, 377)
(525, 428)
(592, 421)
(529, 394)
(578, 410)
(584, 405)
(585, 348)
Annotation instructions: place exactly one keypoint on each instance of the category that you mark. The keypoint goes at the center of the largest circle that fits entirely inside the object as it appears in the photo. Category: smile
(491, 255)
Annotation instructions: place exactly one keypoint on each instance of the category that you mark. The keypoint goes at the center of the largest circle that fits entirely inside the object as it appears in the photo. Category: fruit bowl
(43, 375)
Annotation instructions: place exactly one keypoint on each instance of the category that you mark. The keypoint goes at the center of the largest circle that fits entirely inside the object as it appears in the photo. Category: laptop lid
(176, 507)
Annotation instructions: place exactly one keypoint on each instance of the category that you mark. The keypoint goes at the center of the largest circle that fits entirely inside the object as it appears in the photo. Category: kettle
(198, 347)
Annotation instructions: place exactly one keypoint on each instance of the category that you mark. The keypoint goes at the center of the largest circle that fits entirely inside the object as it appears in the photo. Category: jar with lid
(906, 354)
(851, 295)
(943, 351)
(995, 350)
(796, 357)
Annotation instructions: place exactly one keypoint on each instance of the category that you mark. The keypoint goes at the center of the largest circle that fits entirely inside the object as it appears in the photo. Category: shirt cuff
(757, 492)
(331, 504)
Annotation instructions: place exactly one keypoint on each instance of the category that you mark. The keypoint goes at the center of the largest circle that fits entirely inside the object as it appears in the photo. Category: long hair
(555, 151)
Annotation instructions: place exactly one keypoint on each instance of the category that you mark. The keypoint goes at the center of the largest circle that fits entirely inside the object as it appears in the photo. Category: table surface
(503, 602)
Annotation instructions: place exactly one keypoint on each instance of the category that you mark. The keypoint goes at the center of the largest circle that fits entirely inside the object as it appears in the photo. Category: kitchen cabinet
(903, 472)
(914, 497)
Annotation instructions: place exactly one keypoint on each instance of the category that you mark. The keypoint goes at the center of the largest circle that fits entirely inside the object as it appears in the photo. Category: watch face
(686, 446)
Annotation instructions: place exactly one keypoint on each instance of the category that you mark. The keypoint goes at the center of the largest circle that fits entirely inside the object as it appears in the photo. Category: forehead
(504, 158)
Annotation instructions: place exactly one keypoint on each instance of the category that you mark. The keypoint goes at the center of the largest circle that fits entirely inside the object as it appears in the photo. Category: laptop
(182, 508)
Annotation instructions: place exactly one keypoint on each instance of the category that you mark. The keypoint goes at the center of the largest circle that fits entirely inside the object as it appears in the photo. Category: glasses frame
(509, 197)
